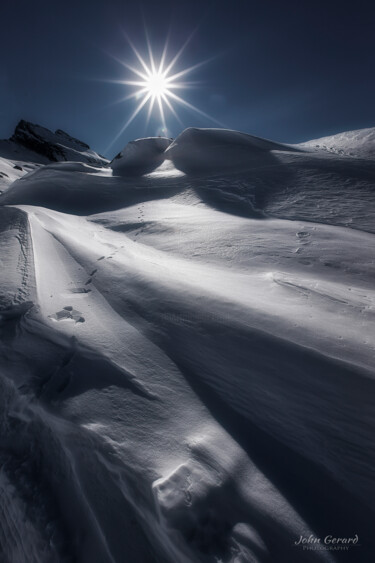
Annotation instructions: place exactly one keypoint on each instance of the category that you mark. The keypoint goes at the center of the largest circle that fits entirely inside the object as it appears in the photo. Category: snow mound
(78, 188)
(359, 143)
(196, 149)
(140, 156)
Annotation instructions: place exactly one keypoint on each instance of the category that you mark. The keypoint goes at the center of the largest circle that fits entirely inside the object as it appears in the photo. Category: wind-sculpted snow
(199, 150)
(241, 176)
(140, 156)
(187, 356)
(360, 143)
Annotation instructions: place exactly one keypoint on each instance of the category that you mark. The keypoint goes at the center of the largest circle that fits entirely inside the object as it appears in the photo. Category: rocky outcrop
(47, 146)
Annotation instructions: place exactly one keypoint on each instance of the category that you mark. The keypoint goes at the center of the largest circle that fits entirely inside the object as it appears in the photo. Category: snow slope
(11, 170)
(187, 355)
(359, 143)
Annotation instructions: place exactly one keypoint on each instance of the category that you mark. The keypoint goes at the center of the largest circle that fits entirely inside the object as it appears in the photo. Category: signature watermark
(327, 543)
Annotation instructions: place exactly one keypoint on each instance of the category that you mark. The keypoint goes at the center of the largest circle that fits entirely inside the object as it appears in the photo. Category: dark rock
(67, 140)
(55, 147)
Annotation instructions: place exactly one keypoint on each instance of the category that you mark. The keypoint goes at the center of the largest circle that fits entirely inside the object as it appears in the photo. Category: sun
(156, 83)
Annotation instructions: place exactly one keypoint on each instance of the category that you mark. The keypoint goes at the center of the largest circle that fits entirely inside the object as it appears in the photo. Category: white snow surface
(359, 143)
(11, 170)
(187, 354)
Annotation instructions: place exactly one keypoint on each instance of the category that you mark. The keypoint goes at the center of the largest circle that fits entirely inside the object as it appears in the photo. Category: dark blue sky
(288, 71)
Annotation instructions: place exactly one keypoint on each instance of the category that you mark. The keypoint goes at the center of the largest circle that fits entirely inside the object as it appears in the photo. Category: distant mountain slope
(359, 143)
(33, 143)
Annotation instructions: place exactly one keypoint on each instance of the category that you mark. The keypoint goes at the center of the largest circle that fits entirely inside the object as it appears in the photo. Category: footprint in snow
(303, 235)
(68, 313)
(80, 290)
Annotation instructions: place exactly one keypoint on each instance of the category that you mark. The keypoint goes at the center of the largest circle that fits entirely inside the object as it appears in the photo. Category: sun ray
(179, 53)
(129, 67)
(134, 83)
(188, 70)
(161, 112)
(151, 57)
(163, 55)
(131, 118)
(182, 85)
(137, 54)
(193, 108)
(136, 94)
(150, 108)
(171, 108)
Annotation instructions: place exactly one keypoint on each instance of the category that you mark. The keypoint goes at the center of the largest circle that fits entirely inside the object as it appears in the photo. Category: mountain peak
(50, 146)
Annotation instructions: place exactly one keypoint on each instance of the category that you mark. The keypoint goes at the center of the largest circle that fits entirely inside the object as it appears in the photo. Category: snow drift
(197, 150)
(140, 156)
(187, 354)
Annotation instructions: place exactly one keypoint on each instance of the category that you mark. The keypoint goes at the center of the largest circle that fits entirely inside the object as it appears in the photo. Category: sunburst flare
(156, 83)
